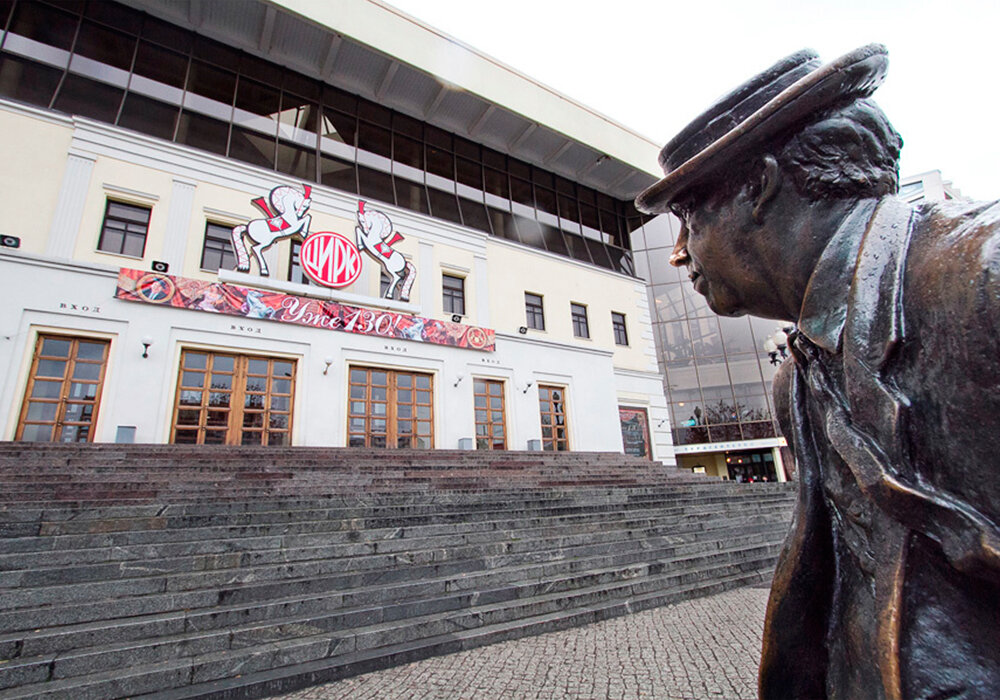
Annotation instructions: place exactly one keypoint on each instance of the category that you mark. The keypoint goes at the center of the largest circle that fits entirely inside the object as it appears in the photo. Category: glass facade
(717, 376)
(114, 64)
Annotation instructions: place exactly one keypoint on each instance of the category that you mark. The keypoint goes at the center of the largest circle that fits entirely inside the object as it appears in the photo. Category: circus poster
(232, 300)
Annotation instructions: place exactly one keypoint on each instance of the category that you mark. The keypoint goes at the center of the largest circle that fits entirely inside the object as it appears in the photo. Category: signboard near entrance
(635, 431)
(232, 300)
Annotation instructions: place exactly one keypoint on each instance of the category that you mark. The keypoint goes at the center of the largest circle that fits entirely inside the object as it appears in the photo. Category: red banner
(228, 299)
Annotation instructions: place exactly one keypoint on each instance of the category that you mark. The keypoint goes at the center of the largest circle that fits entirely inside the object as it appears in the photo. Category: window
(64, 390)
(227, 399)
(533, 311)
(618, 326)
(578, 312)
(453, 289)
(390, 409)
(124, 230)
(552, 407)
(217, 252)
(491, 429)
(295, 273)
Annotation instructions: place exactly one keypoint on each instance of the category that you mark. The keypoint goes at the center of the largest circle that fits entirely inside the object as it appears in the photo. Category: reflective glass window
(375, 184)
(338, 173)
(534, 311)
(203, 132)
(412, 195)
(474, 215)
(88, 98)
(444, 205)
(453, 292)
(160, 65)
(45, 24)
(217, 250)
(105, 45)
(148, 116)
(27, 81)
(124, 229)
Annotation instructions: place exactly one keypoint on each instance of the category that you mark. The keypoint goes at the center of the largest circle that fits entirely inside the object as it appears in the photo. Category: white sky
(654, 65)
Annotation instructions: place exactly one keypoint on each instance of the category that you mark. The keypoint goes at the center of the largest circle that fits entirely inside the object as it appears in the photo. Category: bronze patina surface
(889, 582)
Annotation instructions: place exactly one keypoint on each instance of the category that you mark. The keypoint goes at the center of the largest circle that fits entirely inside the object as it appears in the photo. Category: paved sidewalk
(705, 648)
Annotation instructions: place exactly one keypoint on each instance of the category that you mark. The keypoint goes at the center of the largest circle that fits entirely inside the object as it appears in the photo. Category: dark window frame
(619, 328)
(578, 315)
(224, 251)
(534, 311)
(453, 294)
(104, 246)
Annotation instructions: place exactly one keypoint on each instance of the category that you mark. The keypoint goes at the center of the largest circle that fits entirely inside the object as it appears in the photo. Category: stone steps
(178, 572)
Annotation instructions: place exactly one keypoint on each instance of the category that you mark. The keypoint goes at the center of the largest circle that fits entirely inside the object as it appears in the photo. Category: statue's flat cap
(789, 92)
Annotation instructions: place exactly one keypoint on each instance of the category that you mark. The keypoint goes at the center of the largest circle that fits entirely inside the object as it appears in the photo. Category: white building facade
(444, 268)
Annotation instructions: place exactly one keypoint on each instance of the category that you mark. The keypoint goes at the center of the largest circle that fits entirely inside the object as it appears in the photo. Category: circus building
(301, 223)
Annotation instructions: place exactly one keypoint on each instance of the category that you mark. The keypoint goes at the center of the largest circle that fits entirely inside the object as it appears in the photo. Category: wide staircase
(180, 572)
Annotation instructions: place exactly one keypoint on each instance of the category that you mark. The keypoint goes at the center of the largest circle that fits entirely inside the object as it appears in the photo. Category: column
(69, 207)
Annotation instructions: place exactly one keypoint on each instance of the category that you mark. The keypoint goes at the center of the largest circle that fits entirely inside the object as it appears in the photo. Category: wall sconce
(527, 386)
(660, 424)
(459, 378)
(146, 342)
(328, 361)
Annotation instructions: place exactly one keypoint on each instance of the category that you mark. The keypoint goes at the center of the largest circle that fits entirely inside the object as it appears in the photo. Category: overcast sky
(653, 65)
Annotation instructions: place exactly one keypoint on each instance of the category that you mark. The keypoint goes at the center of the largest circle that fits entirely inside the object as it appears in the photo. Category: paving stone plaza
(703, 648)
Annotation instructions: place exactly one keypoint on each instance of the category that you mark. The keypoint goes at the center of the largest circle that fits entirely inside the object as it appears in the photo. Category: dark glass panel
(298, 120)
(258, 106)
(115, 15)
(148, 116)
(440, 162)
(589, 217)
(215, 52)
(706, 337)
(411, 195)
(675, 342)
(375, 139)
(375, 184)
(621, 260)
(105, 45)
(159, 64)
(301, 85)
(529, 231)
(668, 302)
(469, 173)
(5, 7)
(211, 82)
(736, 335)
(757, 430)
(27, 81)
(496, 183)
(296, 160)
(376, 114)
(444, 205)
(407, 151)
(261, 70)
(599, 253)
(88, 98)
(520, 191)
(610, 225)
(438, 137)
(545, 200)
(474, 214)
(338, 173)
(252, 147)
(166, 34)
(568, 209)
(203, 132)
(576, 247)
(44, 24)
(503, 224)
(543, 178)
(402, 124)
(338, 126)
(340, 100)
(519, 168)
(493, 159)
(554, 239)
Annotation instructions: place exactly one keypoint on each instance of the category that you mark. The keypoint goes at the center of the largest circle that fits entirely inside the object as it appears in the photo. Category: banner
(231, 300)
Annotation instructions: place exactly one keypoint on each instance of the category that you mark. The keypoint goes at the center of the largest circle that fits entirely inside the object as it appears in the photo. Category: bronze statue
(888, 585)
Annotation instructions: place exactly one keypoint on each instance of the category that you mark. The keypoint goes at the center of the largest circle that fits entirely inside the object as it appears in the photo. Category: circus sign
(330, 259)
(231, 300)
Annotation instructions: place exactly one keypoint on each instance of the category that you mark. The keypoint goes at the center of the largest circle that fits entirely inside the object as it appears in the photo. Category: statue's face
(712, 245)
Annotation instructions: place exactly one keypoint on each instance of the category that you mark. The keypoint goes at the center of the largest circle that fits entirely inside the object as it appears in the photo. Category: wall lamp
(776, 346)
(146, 342)
(459, 378)
(328, 361)
(527, 386)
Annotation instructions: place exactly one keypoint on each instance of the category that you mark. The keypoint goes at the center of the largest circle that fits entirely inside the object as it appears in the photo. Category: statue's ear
(770, 182)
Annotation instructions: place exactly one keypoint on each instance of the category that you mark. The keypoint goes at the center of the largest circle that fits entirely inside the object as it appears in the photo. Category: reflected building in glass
(717, 375)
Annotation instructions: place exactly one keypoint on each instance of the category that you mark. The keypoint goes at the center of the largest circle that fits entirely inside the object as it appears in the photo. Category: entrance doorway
(229, 399)
(64, 389)
(390, 409)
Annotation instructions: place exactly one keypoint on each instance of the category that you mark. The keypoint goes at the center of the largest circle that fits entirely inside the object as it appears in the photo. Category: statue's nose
(679, 257)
